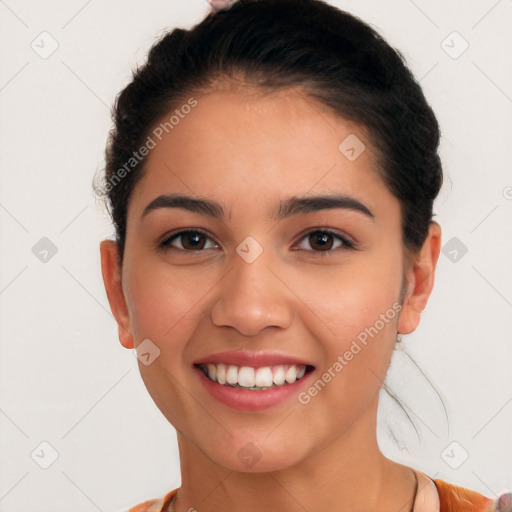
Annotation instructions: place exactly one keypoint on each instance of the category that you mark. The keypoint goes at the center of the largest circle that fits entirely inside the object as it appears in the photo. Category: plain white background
(65, 379)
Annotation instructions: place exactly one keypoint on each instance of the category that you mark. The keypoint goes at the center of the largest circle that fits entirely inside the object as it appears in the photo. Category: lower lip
(248, 400)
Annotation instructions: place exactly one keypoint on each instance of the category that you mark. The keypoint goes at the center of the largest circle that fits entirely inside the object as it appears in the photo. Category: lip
(248, 400)
(254, 359)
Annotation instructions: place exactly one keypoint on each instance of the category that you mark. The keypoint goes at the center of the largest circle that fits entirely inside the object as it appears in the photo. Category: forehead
(252, 145)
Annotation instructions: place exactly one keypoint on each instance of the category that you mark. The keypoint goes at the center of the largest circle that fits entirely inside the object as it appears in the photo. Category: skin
(248, 151)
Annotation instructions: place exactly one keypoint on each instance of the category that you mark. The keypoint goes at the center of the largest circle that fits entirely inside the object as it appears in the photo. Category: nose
(252, 297)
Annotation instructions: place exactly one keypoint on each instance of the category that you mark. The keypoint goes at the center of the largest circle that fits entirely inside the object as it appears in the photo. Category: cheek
(164, 303)
(354, 298)
(360, 309)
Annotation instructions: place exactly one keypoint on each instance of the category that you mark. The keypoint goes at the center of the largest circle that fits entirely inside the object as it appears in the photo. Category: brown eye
(323, 241)
(191, 240)
(320, 240)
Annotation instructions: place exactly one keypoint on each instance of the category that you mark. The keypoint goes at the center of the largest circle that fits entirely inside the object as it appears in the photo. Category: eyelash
(346, 243)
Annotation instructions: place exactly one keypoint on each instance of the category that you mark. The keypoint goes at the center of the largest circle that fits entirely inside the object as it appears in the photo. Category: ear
(111, 271)
(419, 280)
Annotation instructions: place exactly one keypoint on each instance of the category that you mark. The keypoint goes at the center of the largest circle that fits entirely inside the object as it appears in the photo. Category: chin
(248, 458)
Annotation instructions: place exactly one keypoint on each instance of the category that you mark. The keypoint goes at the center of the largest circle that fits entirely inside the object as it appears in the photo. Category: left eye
(322, 239)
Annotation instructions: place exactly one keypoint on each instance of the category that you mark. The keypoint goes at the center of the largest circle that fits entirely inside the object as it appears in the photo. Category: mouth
(252, 378)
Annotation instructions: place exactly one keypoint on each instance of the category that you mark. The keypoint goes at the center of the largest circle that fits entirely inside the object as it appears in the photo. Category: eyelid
(164, 242)
(348, 241)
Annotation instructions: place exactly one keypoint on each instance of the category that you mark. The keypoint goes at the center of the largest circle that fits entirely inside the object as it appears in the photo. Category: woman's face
(257, 280)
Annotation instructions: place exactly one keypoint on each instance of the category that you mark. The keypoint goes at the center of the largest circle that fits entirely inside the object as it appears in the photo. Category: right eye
(190, 240)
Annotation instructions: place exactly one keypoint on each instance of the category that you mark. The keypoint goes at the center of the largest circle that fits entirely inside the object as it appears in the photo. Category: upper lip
(246, 358)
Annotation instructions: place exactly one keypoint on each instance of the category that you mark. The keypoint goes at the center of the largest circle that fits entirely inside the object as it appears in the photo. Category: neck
(349, 474)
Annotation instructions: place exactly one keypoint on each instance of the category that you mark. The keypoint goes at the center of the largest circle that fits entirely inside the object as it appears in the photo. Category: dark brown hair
(331, 55)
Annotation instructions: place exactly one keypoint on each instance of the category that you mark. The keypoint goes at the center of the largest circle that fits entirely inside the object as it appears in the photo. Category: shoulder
(454, 498)
(155, 505)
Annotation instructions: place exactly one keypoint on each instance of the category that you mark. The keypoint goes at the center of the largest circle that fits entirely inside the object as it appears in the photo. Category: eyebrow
(292, 206)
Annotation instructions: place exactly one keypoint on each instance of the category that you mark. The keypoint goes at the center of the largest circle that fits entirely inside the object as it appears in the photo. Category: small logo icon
(455, 455)
(352, 147)
(249, 455)
(454, 45)
(454, 250)
(507, 193)
(44, 250)
(249, 249)
(146, 352)
(44, 455)
(44, 45)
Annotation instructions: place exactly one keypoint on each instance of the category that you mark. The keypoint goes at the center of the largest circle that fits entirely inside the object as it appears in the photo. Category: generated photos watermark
(151, 142)
(304, 397)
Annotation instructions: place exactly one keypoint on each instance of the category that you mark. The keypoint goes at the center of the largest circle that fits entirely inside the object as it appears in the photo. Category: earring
(219, 5)
(398, 337)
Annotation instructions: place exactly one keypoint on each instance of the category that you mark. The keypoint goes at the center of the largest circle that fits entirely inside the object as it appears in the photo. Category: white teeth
(263, 377)
(254, 378)
(291, 374)
(246, 377)
(221, 373)
(279, 376)
(212, 371)
(232, 374)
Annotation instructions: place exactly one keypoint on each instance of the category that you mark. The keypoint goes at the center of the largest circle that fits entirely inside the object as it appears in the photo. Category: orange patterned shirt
(452, 498)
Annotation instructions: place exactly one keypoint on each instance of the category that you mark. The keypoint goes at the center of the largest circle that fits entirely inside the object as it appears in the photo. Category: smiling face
(296, 252)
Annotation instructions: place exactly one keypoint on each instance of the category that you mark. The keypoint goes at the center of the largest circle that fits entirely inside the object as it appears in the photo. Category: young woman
(271, 176)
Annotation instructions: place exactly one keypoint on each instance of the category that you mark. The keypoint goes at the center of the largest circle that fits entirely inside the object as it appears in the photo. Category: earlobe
(111, 273)
(420, 280)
